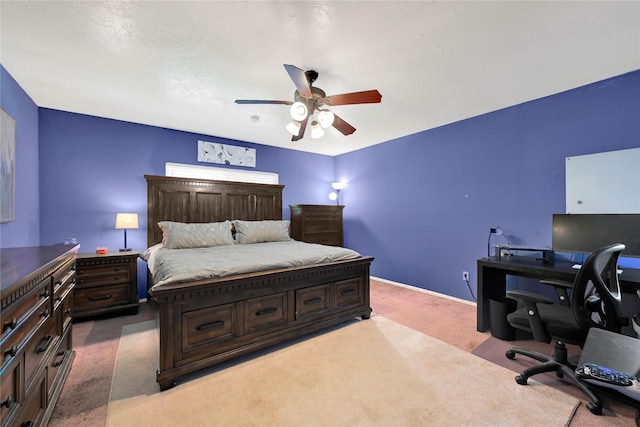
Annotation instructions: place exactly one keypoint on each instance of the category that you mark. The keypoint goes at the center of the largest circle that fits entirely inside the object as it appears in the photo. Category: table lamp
(124, 221)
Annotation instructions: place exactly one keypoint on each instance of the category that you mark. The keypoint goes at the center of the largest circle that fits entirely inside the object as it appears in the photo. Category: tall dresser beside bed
(36, 298)
(208, 320)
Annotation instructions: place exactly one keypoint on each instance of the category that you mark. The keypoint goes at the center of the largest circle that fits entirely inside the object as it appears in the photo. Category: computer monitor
(585, 233)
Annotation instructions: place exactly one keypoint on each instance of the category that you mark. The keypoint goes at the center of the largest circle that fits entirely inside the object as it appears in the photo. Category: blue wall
(25, 229)
(423, 204)
(91, 168)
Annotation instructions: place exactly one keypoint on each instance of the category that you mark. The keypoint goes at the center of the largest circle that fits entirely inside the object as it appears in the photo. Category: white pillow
(261, 231)
(180, 235)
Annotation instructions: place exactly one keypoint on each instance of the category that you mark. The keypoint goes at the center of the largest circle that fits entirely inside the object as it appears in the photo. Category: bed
(211, 318)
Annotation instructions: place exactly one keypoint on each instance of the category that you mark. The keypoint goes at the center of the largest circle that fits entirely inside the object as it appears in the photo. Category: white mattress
(173, 266)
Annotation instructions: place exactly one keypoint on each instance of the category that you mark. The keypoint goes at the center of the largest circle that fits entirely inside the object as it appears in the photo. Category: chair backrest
(596, 299)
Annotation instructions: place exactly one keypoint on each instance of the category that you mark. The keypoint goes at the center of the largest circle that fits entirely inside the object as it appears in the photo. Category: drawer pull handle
(67, 311)
(45, 294)
(7, 403)
(266, 311)
(45, 345)
(45, 313)
(208, 326)
(116, 277)
(58, 282)
(28, 424)
(11, 324)
(100, 297)
(12, 351)
(61, 361)
(312, 301)
(116, 268)
(348, 292)
(58, 298)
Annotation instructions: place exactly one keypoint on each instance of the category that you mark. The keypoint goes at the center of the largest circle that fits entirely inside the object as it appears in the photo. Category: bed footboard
(205, 323)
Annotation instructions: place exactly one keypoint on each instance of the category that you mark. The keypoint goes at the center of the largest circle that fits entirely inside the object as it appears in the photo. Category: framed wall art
(213, 152)
(7, 167)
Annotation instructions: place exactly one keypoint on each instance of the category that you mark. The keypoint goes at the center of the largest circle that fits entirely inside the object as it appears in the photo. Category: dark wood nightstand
(106, 283)
(317, 224)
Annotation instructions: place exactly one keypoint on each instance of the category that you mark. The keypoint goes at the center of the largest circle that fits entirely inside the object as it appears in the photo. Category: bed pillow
(180, 235)
(261, 231)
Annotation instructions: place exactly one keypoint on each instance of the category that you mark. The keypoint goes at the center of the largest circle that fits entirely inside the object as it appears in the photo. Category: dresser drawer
(100, 297)
(39, 347)
(63, 355)
(265, 312)
(322, 227)
(329, 239)
(16, 314)
(324, 214)
(14, 342)
(9, 386)
(312, 301)
(34, 407)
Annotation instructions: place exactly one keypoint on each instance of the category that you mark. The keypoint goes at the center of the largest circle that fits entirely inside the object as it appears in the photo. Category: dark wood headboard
(201, 200)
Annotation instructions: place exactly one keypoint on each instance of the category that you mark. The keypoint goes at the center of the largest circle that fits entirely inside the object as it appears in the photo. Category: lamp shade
(337, 185)
(126, 220)
(316, 130)
(293, 127)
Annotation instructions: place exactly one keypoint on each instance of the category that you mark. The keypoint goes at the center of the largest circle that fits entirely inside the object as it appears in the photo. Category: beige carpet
(367, 373)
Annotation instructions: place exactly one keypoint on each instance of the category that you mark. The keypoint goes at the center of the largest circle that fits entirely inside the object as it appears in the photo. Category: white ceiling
(180, 65)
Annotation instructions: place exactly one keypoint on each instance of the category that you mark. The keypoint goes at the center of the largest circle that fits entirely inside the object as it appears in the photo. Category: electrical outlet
(465, 276)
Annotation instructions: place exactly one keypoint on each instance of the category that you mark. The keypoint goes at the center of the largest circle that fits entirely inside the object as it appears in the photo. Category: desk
(493, 272)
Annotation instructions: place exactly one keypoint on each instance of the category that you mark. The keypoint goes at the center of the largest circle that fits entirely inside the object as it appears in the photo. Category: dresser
(36, 298)
(317, 224)
(106, 283)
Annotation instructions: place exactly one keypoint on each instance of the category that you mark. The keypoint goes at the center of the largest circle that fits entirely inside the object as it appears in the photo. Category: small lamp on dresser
(124, 221)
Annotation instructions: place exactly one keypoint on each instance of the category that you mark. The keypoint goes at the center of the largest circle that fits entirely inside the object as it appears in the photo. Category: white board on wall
(603, 182)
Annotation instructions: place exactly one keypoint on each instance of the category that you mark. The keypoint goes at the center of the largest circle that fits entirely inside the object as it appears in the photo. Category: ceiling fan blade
(258, 101)
(303, 126)
(364, 97)
(299, 78)
(342, 126)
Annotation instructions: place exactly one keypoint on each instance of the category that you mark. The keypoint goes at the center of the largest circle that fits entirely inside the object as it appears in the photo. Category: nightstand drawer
(104, 296)
(102, 275)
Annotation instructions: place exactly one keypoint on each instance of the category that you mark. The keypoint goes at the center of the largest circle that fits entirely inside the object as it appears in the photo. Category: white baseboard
(426, 291)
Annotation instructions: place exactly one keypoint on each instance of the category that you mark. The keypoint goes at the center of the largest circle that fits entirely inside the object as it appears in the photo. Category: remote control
(601, 373)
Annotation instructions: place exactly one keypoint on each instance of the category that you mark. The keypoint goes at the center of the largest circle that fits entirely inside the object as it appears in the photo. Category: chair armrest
(561, 287)
(531, 301)
(529, 297)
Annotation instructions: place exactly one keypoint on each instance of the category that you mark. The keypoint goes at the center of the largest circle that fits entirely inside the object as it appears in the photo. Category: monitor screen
(588, 232)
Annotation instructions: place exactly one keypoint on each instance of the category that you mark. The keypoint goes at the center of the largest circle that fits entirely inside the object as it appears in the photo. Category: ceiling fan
(310, 102)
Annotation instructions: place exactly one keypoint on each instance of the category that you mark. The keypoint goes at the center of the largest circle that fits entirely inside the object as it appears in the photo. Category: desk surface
(532, 267)
(493, 272)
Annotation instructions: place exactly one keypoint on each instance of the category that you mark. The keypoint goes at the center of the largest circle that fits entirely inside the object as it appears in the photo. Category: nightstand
(106, 283)
(317, 224)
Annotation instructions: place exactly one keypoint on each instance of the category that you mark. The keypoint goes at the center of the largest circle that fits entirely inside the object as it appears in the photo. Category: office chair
(595, 303)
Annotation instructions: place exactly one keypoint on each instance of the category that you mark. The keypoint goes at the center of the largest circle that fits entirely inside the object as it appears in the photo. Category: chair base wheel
(595, 409)
(510, 354)
(520, 380)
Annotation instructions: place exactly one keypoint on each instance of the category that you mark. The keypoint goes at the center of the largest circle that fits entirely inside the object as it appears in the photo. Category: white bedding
(173, 266)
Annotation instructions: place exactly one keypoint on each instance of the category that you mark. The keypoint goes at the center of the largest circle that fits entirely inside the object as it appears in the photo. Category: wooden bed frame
(207, 322)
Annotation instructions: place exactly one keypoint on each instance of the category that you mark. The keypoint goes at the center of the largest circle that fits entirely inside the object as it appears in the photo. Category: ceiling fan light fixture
(299, 111)
(293, 127)
(325, 117)
(316, 130)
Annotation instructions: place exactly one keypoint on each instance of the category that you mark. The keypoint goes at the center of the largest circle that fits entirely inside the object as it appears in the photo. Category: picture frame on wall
(7, 167)
(214, 152)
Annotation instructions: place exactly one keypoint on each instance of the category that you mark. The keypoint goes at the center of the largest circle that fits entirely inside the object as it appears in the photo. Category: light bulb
(325, 117)
(299, 111)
